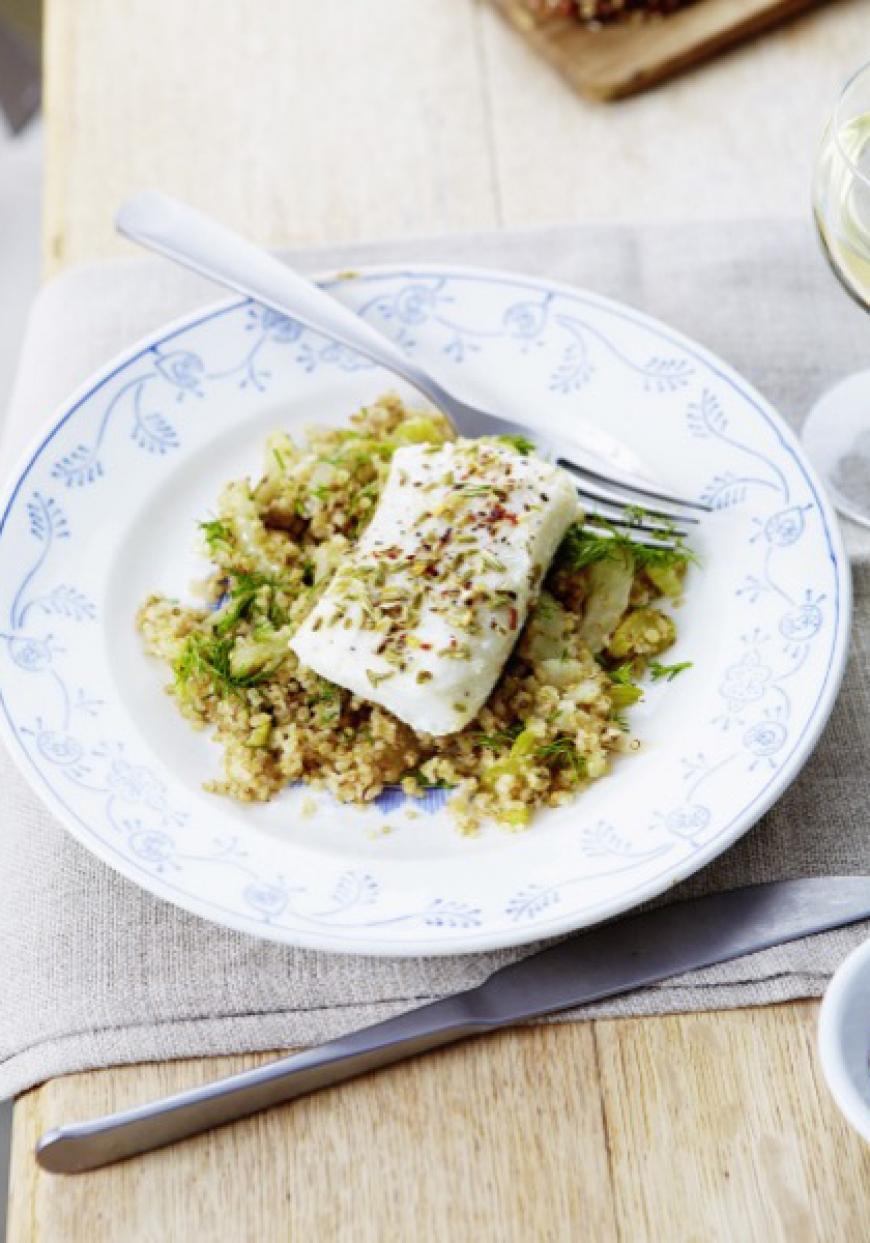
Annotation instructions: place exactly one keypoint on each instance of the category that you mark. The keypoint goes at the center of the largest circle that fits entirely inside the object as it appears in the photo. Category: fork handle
(88, 1145)
(196, 241)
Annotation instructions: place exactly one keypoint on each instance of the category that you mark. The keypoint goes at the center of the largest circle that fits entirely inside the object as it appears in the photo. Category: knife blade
(614, 958)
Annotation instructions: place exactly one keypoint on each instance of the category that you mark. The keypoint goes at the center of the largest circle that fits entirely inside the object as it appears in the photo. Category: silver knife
(615, 958)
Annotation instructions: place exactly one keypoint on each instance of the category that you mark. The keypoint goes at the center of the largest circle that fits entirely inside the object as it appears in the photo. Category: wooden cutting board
(629, 56)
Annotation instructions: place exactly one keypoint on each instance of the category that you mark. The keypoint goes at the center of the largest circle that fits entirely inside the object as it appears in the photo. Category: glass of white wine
(837, 430)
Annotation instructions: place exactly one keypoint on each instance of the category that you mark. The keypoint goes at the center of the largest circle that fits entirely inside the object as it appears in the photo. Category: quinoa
(553, 720)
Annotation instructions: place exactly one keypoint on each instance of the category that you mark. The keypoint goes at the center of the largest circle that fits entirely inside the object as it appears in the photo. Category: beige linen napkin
(97, 972)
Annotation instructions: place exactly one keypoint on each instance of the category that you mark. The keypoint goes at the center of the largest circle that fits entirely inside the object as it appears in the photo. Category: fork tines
(624, 494)
(617, 506)
(636, 527)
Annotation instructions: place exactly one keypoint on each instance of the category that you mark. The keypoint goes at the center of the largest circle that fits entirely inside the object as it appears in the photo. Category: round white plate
(103, 510)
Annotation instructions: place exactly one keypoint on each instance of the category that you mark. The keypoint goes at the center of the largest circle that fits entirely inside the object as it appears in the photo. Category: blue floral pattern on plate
(754, 704)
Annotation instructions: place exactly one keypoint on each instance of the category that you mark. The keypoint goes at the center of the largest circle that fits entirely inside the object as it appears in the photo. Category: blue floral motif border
(133, 794)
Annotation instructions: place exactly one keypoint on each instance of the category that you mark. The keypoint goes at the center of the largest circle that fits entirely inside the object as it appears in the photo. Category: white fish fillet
(426, 611)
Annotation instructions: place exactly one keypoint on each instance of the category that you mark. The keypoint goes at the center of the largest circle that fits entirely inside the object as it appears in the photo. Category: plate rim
(359, 941)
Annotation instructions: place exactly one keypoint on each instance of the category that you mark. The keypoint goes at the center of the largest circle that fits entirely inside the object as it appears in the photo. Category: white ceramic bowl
(844, 1038)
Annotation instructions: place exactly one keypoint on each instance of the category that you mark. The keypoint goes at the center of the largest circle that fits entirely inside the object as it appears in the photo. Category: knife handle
(88, 1145)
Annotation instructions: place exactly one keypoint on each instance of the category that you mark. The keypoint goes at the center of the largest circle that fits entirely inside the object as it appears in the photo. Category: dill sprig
(205, 656)
(563, 752)
(215, 533)
(235, 611)
(246, 587)
(668, 672)
(583, 546)
(500, 738)
(248, 581)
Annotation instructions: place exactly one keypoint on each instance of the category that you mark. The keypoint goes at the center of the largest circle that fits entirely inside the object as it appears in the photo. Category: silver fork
(609, 499)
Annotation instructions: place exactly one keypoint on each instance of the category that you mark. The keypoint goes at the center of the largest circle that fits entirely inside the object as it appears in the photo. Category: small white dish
(844, 1038)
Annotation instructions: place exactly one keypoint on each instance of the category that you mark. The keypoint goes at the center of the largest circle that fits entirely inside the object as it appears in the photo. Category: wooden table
(358, 120)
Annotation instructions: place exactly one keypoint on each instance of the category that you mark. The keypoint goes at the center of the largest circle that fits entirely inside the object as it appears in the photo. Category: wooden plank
(330, 121)
(498, 1140)
(721, 1128)
(627, 57)
(718, 143)
(712, 1127)
(484, 133)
